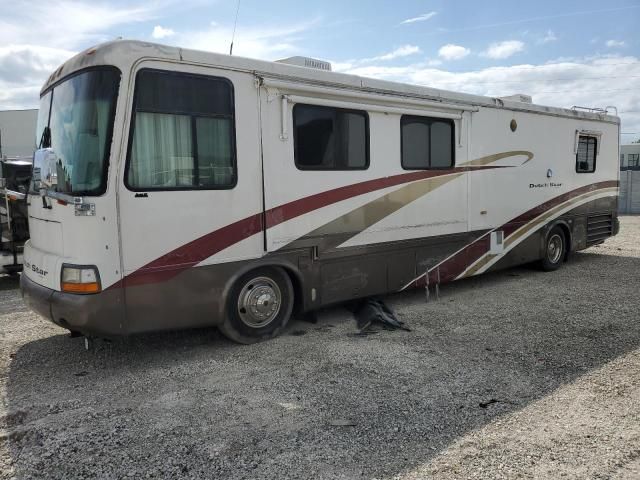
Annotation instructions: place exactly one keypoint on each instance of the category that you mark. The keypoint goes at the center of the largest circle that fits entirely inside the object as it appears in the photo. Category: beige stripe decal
(529, 228)
(545, 216)
(478, 265)
(371, 213)
(482, 161)
(362, 218)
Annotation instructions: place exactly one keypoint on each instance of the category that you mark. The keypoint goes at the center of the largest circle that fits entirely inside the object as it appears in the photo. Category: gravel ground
(514, 374)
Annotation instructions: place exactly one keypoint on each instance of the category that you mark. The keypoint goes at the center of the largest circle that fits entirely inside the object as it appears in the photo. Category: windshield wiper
(45, 139)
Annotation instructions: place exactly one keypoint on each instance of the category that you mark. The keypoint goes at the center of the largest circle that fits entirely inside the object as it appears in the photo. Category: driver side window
(183, 133)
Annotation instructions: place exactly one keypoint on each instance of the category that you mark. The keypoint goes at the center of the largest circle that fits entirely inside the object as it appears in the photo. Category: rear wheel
(555, 250)
(259, 306)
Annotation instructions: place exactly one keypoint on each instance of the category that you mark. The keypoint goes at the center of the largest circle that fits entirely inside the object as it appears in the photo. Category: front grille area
(599, 227)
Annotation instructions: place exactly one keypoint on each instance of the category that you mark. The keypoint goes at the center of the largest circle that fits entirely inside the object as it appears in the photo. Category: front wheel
(259, 306)
(554, 251)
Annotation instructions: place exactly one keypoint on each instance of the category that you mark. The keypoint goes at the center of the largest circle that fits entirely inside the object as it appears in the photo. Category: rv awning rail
(372, 108)
(372, 99)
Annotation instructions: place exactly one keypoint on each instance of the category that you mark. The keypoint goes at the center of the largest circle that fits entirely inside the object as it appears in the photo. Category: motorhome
(176, 188)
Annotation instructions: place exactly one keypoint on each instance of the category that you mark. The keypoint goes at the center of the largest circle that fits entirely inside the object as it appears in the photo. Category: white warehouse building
(18, 133)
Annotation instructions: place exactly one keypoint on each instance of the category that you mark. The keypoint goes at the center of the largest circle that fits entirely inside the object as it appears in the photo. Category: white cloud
(37, 36)
(267, 43)
(592, 81)
(67, 23)
(403, 51)
(549, 37)
(400, 52)
(615, 43)
(161, 32)
(420, 18)
(453, 52)
(504, 49)
(23, 70)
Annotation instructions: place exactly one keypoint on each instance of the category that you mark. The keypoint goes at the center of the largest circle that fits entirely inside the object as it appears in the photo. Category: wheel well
(567, 237)
(297, 289)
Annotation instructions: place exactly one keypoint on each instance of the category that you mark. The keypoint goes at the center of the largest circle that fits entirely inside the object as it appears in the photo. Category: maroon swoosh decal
(529, 215)
(192, 253)
(296, 208)
(458, 263)
(172, 263)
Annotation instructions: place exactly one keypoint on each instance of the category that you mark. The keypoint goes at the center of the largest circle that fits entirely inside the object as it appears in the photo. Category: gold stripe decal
(484, 262)
(361, 218)
(489, 159)
(347, 226)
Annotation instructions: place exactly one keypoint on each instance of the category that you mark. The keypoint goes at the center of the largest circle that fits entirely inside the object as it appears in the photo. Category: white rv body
(173, 258)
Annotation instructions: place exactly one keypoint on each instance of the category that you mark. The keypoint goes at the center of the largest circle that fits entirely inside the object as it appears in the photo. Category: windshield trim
(102, 189)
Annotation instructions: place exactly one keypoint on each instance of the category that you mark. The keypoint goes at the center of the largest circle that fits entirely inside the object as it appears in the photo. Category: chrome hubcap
(259, 302)
(554, 248)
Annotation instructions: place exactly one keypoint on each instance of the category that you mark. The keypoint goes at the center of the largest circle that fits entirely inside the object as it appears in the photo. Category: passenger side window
(586, 156)
(426, 142)
(183, 133)
(327, 138)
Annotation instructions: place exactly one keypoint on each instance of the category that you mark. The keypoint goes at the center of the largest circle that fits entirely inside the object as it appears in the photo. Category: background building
(629, 178)
(630, 157)
(18, 132)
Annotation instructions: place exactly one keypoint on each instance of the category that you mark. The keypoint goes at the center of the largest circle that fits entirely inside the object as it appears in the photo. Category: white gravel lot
(518, 374)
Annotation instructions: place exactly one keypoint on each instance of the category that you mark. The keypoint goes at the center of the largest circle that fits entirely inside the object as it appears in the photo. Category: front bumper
(101, 314)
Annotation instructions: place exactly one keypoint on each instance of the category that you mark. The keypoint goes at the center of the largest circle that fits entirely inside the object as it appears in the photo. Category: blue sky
(563, 53)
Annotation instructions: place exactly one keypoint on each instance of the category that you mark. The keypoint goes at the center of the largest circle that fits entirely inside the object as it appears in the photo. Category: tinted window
(181, 93)
(183, 133)
(426, 142)
(330, 138)
(586, 156)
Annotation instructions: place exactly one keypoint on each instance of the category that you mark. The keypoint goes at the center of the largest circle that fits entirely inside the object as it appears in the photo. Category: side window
(327, 138)
(586, 156)
(633, 160)
(182, 133)
(426, 142)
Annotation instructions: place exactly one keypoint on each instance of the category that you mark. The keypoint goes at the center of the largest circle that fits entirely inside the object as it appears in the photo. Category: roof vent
(518, 97)
(307, 62)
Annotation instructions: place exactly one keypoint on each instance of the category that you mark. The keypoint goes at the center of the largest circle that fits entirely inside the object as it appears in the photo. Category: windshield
(80, 122)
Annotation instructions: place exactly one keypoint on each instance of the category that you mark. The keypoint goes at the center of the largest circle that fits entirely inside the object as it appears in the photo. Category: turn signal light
(80, 279)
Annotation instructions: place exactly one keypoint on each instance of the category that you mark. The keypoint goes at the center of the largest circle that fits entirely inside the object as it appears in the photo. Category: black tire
(555, 250)
(259, 306)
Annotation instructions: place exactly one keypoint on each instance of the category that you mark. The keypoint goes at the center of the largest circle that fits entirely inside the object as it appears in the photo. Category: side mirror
(45, 174)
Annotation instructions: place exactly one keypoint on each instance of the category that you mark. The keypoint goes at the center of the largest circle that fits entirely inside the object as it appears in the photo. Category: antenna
(235, 24)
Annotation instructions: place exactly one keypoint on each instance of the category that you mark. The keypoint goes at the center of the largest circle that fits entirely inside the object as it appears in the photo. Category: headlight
(80, 279)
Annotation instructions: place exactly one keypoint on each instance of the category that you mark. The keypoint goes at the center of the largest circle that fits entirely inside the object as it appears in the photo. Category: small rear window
(586, 156)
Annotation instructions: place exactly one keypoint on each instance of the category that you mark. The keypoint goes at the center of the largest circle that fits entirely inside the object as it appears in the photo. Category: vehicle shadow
(320, 402)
